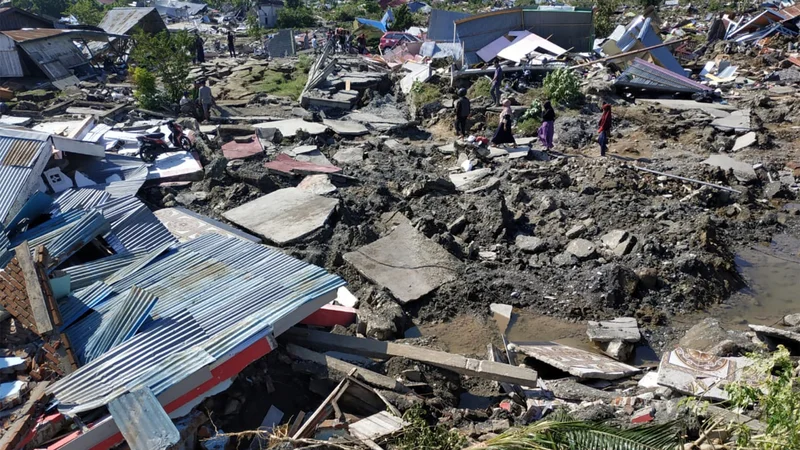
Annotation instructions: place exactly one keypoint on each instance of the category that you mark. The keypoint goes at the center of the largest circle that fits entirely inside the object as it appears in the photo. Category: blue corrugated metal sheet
(644, 75)
(640, 32)
(215, 294)
(18, 156)
(76, 237)
(84, 275)
(79, 303)
(11, 179)
(142, 421)
(73, 199)
(133, 226)
(441, 25)
(569, 29)
(118, 324)
(5, 252)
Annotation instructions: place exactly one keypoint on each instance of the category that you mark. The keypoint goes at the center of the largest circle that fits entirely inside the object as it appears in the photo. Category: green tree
(294, 4)
(254, 29)
(168, 57)
(403, 19)
(301, 17)
(52, 8)
(562, 86)
(87, 12)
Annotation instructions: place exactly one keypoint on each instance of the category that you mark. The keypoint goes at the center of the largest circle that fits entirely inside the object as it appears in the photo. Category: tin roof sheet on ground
(142, 421)
(215, 294)
(123, 20)
(644, 75)
(23, 155)
(186, 225)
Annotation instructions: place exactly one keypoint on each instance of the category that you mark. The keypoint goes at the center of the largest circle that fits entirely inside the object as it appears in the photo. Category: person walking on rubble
(604, 128)
(498, 78)
(314, 44)
(232, 44)
(548, 126)
(462, 112)
(503, 135)
(199, 51)
(206, 99)
(362, 44)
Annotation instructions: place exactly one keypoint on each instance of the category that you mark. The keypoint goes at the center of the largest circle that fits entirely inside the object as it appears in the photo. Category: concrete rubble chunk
(777, 334)
(622, 328)
(290, 127)
(745, 141)
(737, 120)
(346, 128)
(613, 238)
(317, 184)
(284, 216)
(405, 262)
(698, 373)
(792, 320)
(463, 180)
(575, 232)
(582, 249)
(741, 170)
(530, 244)
(576, 362)
(353, 155)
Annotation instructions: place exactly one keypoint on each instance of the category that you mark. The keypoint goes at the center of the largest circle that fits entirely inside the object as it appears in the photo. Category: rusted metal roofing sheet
(18, 158)
(39, 33)
(123, 20)
(142, 421)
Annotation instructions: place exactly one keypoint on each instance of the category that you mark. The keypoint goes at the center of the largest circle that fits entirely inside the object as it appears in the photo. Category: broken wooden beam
(370, 348)
(323, 411)
(343, 367)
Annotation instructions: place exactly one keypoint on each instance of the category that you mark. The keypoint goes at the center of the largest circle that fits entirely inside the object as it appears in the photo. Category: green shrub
(527, 127)
(254, 29)
(146, 92)
(168, 57)
(480, 88)
(300, 17)
(420, 435)
(562, 86)
(424, 93)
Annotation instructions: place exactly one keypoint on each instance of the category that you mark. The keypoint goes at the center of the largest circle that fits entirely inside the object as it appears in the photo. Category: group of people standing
(200, 52)
(504, 134)
(343, 41)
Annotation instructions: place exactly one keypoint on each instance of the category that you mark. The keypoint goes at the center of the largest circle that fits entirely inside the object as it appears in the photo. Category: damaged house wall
(16, 19)
(569, 29)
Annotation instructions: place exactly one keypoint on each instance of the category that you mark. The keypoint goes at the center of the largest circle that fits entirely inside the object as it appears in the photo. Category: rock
(625, 246)
(773, 189)
(458, 225)
(619, 350)
(614, 238)
(569, 389)
(530, 244)
(582, 249)
(792, 320)
(593, 412)
(576, 231)
(620, 329)
(384, 321)
(565, 259)
(216, 168)
(547, 205)
(648, 277)
(270, 135)
(708, 336)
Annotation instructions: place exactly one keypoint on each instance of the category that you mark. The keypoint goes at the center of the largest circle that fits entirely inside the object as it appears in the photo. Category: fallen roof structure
(641, 33)
(648, 76)
(178, 9)
(570, 29)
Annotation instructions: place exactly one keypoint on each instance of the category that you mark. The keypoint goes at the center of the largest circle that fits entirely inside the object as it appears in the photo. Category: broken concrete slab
(737, 120)
(290, 127)
(346, 128)
(186, 225)
(284, 216)
(309, 154)
(371, 348)
(405, 262)
(463, 180)
(242, 150)
(776, 333)
(175, 166)
(622, 328)
(613, 238)
(286, 165)
(741, 170)
(530, 244)
(352, 155)
(579, 363)
(745, 141)
(698, 373)
(317, 184)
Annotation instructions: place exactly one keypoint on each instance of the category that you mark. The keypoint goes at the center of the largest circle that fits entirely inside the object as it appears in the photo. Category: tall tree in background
(87, 12)
(168, 57)
(52, 8)
(403, 18)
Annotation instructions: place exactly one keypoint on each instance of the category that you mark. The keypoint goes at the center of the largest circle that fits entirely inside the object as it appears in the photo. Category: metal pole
(690, 180)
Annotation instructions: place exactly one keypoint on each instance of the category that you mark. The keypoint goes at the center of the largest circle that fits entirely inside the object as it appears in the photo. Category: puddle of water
(771, 273)
(469, 335)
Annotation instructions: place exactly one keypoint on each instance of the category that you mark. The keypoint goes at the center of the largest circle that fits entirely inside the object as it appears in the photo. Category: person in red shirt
(604, 129)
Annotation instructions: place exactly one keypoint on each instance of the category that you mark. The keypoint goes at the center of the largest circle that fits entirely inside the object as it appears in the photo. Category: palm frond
(553, 435)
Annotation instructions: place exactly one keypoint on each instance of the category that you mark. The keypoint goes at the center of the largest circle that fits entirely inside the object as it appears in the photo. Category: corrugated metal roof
(441, 25)
(39, 33)
(84, 275)
(215, 294)
(134, 226)
(142, 421)
(119, 324)
(10, 64)
(11, 179)
(76, 305)
(76, 237)
(123, 20)
(644, 75)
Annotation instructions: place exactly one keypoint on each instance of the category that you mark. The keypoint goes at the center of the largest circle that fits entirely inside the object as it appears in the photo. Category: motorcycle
(177, 137)
(152, 145)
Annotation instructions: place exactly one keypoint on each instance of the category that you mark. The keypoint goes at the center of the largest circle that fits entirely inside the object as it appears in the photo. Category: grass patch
(480, 88)
(282, 85)
(304, 63)
(424, 93)
(527, 127)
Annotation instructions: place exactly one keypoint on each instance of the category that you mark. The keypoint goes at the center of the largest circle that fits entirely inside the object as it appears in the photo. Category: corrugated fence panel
(142, 421)
(441, 24)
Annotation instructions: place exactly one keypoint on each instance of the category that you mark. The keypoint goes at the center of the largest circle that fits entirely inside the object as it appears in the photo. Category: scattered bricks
(644, 416)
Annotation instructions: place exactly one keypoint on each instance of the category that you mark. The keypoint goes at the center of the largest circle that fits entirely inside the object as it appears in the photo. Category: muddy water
(772, 273)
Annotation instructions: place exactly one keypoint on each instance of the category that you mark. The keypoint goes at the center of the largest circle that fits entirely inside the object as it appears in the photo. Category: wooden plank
(335, 364)
(377, 426)
(41, 316)
(370, 348)
(323, 411)
(296, 424)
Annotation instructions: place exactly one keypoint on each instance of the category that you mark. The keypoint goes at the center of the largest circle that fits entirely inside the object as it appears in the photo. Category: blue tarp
(388, 17)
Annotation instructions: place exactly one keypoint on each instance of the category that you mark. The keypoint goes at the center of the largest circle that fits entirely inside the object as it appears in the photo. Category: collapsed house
(175, 9)
(127, 21)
